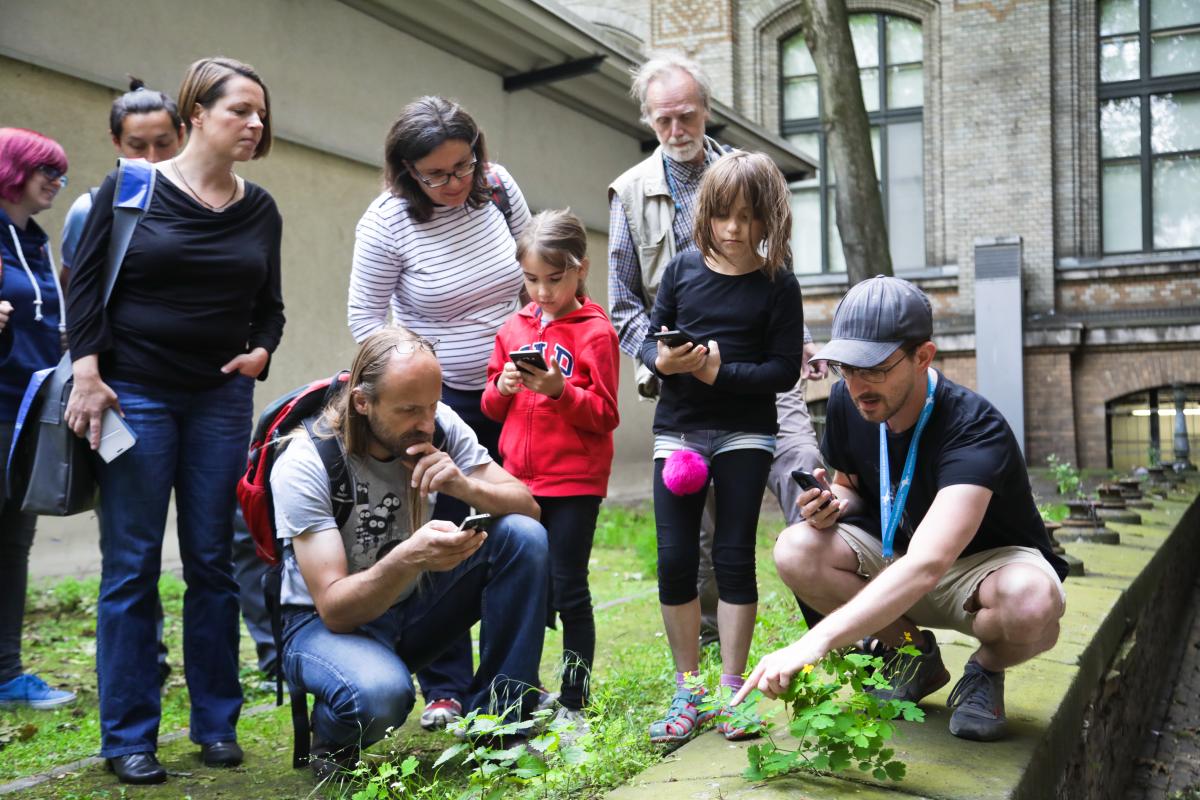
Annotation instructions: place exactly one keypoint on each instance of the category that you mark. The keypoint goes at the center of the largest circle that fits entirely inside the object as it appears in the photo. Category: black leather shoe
(137, 768)
(221, 754)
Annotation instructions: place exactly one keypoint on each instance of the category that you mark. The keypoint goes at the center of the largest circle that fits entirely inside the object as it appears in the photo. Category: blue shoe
(30, 690)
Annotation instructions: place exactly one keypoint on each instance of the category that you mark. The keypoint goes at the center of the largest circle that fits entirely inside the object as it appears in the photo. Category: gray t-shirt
(381, 516)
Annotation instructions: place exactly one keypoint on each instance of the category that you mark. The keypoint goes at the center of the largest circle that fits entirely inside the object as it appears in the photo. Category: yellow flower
(907, 637)
(807, 669)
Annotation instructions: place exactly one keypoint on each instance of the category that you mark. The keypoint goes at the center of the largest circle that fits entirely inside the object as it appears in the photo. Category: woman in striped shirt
(438, 247)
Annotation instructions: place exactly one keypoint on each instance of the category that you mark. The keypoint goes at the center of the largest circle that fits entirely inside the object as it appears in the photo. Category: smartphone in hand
(478, 522)
(672, 338)
(532, 357)
(806, 480)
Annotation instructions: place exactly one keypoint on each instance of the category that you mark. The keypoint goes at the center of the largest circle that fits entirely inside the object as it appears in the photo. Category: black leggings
(739, 478)
(570, 526)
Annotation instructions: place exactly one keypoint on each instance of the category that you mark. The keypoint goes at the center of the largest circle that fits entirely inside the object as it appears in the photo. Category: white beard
(684, 152)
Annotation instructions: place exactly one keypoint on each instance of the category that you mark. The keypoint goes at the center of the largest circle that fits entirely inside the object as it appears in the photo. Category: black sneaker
(911, 677)
(978, 703)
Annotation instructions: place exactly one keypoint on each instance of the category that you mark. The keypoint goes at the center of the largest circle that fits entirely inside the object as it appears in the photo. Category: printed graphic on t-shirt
(561, 355)
(372, 528)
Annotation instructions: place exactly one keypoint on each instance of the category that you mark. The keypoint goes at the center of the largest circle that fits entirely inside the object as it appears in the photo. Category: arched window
(1141, 426)
(889, 50)
(1149, 124)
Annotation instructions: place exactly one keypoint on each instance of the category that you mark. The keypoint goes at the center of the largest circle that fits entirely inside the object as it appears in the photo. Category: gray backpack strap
(131, 198)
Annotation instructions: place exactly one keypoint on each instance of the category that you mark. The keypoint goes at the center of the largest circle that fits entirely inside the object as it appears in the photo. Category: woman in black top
(195, 314)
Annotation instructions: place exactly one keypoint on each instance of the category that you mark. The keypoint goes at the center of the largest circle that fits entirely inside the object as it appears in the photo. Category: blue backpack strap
(135, 187)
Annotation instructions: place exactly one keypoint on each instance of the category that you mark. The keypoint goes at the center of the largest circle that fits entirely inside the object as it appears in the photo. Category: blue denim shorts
(709, 443)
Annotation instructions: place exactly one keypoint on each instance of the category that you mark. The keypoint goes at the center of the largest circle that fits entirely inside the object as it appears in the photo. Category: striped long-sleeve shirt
(454, 278)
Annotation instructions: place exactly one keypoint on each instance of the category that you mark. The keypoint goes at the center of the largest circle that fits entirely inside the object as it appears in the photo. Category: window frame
(881, 118)
(1143, 87)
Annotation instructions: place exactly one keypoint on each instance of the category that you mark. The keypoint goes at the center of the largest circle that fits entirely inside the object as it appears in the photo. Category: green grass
(631, 686)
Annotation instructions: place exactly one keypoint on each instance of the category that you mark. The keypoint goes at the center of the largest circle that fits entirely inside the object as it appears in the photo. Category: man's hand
(543, 381)
(707, 373)
(813, 370)
(5, 310)
(508, 382)
(435, 471)
(819, 507)
(439, 546)
(249, 364)
(688, 357)
(775, 671)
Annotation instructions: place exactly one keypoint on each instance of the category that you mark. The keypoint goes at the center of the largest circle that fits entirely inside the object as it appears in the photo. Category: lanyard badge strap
(890, 513)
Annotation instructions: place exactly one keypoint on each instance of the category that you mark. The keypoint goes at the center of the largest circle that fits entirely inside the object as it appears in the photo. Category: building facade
(1064, 134)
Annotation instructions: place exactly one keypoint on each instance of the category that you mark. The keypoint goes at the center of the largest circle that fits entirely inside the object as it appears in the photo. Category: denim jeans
(16, 537)
(195, 443)
(363, 680)
(448, 676)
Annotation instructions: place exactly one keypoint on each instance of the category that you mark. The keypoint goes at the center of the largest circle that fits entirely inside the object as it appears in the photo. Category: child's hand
(548, 382)
(711, 366)
(687, 357)
(509, 380)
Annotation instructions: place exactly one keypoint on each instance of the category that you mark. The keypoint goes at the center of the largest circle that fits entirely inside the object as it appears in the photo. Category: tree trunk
(848, 140)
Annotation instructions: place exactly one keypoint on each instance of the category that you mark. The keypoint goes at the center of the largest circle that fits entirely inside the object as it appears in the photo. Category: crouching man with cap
(929, 520)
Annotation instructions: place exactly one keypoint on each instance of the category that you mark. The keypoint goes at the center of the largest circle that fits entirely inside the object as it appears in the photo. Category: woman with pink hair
(33, 168)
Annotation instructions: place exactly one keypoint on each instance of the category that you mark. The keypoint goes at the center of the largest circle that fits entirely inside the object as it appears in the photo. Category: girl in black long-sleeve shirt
(193, 319)
(740, 304)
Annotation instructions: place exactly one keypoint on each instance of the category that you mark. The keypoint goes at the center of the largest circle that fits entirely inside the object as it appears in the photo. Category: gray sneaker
(978, 703)
(911, 677)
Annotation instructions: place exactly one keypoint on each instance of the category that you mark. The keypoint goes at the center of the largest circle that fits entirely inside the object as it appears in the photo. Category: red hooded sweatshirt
(559, 447)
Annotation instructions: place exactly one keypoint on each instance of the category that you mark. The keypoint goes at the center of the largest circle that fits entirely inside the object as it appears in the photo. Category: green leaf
(448, 753)
(880, 774)
(861, 741)
(821, 763)
(895, 770)
(543, 742)
(913, 714)
(530, 766)
(886, 754)
(574, 755)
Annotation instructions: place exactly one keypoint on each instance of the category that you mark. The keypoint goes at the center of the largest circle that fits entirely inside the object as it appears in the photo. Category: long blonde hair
(755, 176)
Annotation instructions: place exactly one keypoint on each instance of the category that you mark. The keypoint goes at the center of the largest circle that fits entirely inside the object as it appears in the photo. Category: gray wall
(337, 79)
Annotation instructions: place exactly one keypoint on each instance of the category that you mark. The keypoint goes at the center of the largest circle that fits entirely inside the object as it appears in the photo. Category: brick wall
(1049, 407)
(1173, 289)
(1103, 375)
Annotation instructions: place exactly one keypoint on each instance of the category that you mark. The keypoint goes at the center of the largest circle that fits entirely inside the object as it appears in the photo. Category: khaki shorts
(953, 602)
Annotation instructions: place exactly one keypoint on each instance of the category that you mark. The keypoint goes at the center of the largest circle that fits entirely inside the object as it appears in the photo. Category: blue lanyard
(890, 514)
(670, 186)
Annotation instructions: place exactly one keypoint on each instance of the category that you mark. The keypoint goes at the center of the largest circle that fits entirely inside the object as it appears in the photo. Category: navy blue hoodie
(26, 344)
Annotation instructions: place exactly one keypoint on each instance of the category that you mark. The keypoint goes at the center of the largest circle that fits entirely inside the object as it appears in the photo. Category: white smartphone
(480, 522)
(115, 435)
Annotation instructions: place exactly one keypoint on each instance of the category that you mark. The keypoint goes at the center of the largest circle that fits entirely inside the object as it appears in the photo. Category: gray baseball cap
(874, 319)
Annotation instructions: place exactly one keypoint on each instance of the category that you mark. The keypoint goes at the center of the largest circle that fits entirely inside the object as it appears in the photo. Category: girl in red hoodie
(558, 422)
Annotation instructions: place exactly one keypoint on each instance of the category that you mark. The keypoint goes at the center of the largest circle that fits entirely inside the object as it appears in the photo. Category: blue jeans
(363, 681)
(194, 443)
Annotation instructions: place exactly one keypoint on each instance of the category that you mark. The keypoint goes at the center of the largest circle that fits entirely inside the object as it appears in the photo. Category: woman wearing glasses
(33, 169)
(437, 246)
(196, 312)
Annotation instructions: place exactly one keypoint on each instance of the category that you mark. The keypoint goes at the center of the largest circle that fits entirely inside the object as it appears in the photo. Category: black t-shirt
(758, 324)
(966, 441)
(196, 288)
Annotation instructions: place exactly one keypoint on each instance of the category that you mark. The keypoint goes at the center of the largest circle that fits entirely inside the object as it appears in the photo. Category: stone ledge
(1074, 712)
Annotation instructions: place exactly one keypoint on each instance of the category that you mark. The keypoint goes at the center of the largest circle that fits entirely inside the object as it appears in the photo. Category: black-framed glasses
(53, 173)
(868, 374)
(440, 179)
(410, 346)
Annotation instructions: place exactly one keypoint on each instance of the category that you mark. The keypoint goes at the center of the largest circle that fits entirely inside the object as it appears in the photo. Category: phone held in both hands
(672, 338)
(115, 435)
(806, 480)
(532, 357)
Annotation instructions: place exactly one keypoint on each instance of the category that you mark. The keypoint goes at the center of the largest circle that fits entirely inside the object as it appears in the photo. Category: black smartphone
(533, 357)
(480, 522)
(806, 480)
(672, 338)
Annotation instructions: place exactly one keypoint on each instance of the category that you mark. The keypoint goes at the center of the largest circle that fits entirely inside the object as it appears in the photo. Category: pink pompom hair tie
(685, 472)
